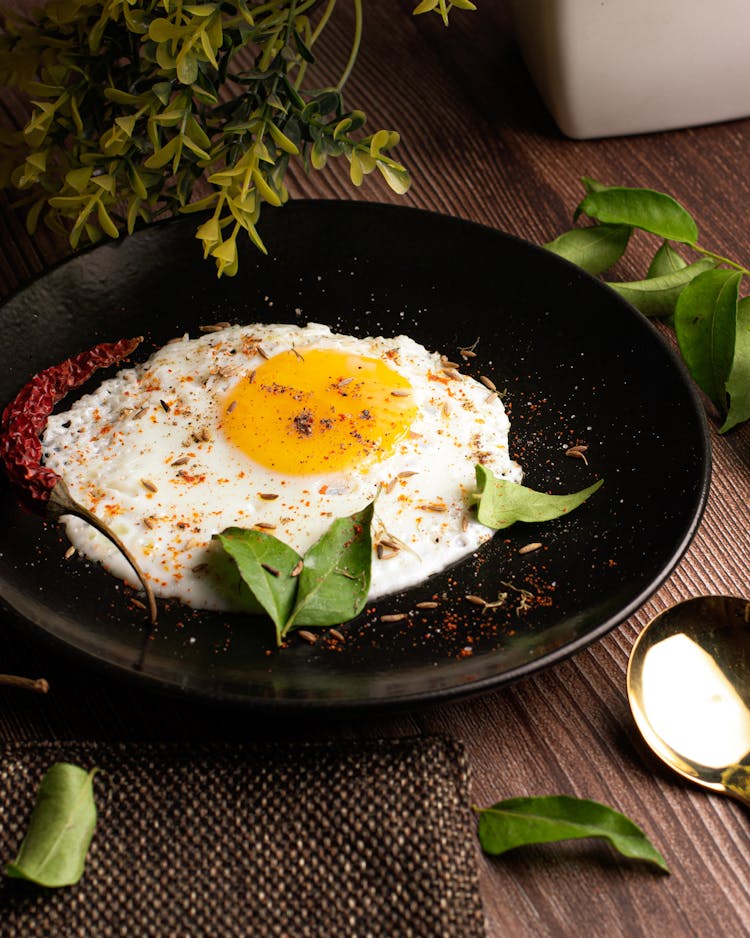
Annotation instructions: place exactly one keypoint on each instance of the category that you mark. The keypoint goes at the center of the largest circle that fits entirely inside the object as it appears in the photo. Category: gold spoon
(689, 690)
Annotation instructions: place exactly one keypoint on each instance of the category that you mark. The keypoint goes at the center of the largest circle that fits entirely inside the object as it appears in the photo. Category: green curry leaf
(657, 296)
(666, 261)
(266, 566)
(501, 502)
(700, 300)
(335, 578)
(595, 249)
(53, 852)
(738, 382)
(517, 822)
(706, 325)
(646, 209)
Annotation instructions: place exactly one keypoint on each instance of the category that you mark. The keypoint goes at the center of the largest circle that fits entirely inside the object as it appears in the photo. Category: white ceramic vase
(611, 67)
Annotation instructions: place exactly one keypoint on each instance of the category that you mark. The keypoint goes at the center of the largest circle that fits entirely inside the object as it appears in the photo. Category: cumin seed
(181, 461)
(137, 603)
(475, 600)
(69, 552)
(265, 526)
(149, 485)
(164, 406)
(529, 548)
(262, 352)
(428, 604)
(468, 351)
(392, 545)
(452, 373)
(334, 633)
(297, 568)
(379, 551)
(200, 568)
(269, 569)
(491, 397)
(232, 407)
(267, 496)
(138, 413)
(309, 637)
(400, 393)
(577, 452)
(215, 327)
(433, 506)
(447, 363)
(149, 521)
(394, 617)
(406, 474)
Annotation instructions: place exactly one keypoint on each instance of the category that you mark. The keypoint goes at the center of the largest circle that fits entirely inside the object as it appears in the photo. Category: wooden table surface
(480, 145)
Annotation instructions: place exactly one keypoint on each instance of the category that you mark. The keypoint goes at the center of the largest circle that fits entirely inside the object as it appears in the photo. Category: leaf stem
(355, 45)
(720, 258)
(322, 23)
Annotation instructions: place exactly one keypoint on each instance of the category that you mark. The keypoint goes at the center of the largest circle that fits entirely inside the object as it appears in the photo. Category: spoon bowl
(689, 691)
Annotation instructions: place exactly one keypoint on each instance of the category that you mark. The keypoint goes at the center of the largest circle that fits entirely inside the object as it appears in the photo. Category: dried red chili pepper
(25, 418)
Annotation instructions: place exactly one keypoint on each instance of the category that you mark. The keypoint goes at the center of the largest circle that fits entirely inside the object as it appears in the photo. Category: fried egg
(284, 429)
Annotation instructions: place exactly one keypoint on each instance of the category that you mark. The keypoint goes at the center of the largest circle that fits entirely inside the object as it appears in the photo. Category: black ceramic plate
(579, 365)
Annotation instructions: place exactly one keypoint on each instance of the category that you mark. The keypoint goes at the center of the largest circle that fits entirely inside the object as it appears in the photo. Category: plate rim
(404, 700)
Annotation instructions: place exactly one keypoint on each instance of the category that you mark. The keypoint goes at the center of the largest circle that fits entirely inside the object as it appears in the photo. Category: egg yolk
(318, 411)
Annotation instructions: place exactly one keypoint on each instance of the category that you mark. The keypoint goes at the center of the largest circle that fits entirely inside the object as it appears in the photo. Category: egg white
(146, 453)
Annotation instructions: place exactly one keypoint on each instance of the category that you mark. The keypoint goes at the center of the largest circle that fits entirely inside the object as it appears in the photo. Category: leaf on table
(738, 382)
(502, 502)
(666, 261)
(595, 249)
(517, 822)
(265, 565)
(647, 209)
(657, 296)
(53, 852)
(706, 327)
(335, 579)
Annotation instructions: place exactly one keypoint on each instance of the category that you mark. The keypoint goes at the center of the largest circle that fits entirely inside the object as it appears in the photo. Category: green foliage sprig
(133, 104)
(701, 300)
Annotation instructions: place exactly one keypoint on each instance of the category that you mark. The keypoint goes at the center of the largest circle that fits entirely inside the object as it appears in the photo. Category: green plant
(142, 109)
(702, 299)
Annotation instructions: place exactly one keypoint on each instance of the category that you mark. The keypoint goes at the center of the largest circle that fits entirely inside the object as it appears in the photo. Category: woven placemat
(311, 840)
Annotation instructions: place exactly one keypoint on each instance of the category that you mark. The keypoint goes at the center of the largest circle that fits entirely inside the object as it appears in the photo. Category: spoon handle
(736, 781)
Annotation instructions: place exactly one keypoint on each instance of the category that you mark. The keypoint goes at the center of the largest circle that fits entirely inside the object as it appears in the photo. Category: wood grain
(480, 145)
